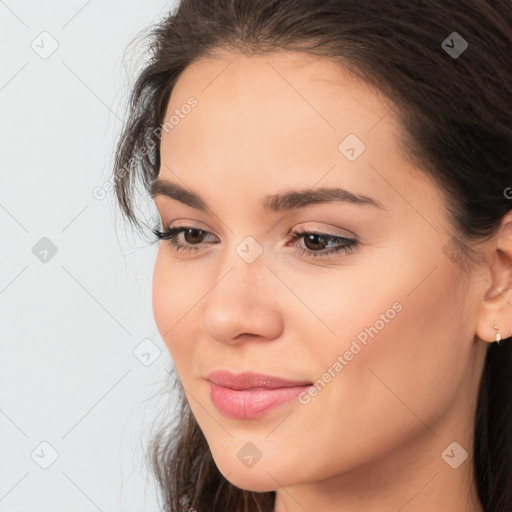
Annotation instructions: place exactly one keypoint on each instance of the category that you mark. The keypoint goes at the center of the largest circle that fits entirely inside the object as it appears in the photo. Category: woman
(334, 277)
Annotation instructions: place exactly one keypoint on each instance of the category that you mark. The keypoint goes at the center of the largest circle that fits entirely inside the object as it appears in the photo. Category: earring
(498, 335)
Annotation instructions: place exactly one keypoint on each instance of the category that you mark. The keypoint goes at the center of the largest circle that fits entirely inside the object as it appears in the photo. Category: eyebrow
(273, 203)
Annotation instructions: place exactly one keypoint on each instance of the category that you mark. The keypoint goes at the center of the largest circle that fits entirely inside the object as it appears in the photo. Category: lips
(251, 380)
(251, 395)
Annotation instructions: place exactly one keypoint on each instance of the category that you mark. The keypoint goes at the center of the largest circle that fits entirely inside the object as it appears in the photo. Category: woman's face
(384, 328)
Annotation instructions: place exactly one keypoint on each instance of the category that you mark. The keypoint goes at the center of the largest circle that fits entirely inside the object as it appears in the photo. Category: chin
(255, 479)
(261, 482)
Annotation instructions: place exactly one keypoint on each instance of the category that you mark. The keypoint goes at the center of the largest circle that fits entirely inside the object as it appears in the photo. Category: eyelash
(349, 245)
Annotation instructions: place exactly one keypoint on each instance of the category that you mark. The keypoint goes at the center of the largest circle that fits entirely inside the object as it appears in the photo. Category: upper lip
(249, 380)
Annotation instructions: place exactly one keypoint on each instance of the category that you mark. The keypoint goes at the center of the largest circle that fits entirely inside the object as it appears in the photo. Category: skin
(372, 438)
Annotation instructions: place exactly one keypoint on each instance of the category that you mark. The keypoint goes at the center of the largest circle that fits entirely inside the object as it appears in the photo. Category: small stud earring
(498, 335)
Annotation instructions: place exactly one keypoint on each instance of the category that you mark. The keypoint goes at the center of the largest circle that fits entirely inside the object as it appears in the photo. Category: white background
(69, 325)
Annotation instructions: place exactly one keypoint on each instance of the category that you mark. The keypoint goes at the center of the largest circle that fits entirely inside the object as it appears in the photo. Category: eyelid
(179, 222)
(329, 230)
(309, 227)
(348, 244)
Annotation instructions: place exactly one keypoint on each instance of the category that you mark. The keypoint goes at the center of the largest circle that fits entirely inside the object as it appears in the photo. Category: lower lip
(251, 403)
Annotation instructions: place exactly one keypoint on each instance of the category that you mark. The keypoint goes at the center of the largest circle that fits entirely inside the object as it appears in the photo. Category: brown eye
(193, 237)
(311, 242)
(316, 244)
(196, 235)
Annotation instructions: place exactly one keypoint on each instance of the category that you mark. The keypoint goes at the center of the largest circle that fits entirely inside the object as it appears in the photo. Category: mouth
(251, 395)
(252, 380)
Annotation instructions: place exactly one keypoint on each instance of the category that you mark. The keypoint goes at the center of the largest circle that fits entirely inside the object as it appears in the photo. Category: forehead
(281, 100)
(269, 122)
(282, 88)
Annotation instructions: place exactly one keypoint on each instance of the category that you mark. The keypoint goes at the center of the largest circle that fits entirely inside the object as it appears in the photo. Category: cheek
(161, 295)
(407, 368)
(177, 295)
(402, 376)
(171, 300)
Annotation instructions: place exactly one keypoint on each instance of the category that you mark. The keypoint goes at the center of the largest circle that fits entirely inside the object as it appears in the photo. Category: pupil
(310, 238)
(195, 232)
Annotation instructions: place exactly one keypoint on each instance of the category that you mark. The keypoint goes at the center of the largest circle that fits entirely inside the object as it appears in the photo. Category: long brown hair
(457, 115)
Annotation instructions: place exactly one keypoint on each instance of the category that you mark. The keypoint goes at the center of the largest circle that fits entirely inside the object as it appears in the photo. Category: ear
(496, 305)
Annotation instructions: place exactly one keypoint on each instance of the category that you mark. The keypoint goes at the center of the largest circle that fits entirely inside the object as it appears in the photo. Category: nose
(243, 304)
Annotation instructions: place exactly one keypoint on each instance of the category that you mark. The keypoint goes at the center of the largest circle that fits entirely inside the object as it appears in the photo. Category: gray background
(81, 360)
